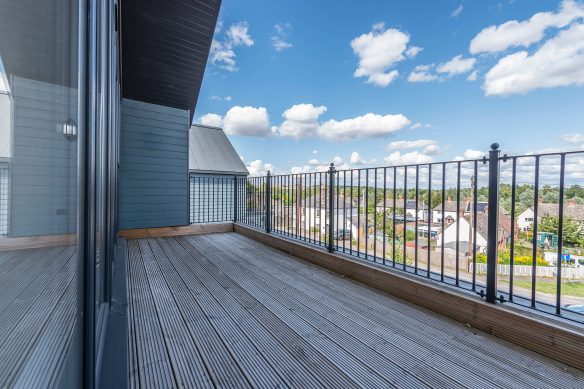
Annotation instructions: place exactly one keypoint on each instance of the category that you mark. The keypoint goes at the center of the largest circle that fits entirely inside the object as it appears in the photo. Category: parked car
(342, 234)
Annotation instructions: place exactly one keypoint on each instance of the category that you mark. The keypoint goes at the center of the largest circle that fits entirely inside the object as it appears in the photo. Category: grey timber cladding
(154, 163)
(43, 197)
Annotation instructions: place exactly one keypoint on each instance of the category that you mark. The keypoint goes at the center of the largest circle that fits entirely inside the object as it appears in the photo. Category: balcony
(225, 310)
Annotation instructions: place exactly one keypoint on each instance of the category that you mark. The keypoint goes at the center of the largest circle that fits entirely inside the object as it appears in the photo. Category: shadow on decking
(224, 310)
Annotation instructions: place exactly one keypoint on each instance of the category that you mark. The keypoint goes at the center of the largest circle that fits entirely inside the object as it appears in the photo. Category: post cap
(494, 146)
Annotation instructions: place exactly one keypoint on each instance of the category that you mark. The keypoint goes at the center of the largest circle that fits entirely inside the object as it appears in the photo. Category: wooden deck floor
(37, 314)
(222, 310)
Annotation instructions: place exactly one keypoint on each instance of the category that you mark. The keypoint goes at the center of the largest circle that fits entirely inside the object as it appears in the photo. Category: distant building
(466, 233)
(314, 214)
(410, 210)
(213, 166)
(449, 214)
(571, 210)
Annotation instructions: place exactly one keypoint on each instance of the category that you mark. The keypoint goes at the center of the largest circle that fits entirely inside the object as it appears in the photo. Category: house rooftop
(410, 204)
(572, 211)
(211, 152)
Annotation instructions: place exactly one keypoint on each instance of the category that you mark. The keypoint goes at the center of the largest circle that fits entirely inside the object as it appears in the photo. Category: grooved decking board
(258, 317)
(495, 361)
(37, 316)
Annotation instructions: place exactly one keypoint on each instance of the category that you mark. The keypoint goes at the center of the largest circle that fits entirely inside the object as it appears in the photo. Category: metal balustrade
(439, 220)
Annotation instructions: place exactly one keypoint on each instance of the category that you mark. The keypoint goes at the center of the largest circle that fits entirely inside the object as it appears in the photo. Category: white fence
(575, 273)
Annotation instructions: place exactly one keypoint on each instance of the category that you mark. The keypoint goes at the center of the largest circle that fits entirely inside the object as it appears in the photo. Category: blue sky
(510, 71)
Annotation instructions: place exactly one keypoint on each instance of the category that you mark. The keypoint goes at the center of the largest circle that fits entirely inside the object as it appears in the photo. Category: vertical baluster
(384, 213)
(474, 227)
(442, 219)
(560, 237)
(366, 213)
(430, 220)
(394, 205)
(416, 222)
(404, 216)
(535, 226)
(458, 200)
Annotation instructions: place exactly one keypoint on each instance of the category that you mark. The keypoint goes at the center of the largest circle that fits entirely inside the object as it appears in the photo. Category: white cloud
(457, 11)
(410, 144)
(412, 158)
(421, 73)
(457, 65)
(368, 125)
(413, 51)
(356, 159)
(314, 161)
(211, 119)
(473, 76)
(222, 51)
(337, 160)
(378, 51)
(219, 98)
(247, 121)
(420, 125)
(301, 121)
(432, 150)
(258, 168)
(314, 152)
(238, 34)
(525, 33)
(558, 62)
(281, 37)
(471, 154)
(573, 138)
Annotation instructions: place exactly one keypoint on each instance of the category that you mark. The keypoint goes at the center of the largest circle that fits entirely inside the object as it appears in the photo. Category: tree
(571, 229)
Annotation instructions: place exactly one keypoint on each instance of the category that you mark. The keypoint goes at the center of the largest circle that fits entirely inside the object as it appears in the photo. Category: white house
(466, 208)
(314, 214)
(449, 236)
(571, 210)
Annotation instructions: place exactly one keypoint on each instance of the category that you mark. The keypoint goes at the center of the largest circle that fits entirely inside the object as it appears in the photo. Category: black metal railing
(212, 198)
(460, 222)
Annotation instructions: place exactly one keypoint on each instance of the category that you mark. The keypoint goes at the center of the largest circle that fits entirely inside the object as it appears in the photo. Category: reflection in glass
(38, 193)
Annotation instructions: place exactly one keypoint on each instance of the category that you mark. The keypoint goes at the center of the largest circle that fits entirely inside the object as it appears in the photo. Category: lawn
(575, 289)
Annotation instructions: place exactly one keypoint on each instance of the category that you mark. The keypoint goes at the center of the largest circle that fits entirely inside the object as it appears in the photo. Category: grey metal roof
(211, 152)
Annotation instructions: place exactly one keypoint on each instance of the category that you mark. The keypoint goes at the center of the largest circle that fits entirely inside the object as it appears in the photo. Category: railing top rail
(550, 154)
(482, 160)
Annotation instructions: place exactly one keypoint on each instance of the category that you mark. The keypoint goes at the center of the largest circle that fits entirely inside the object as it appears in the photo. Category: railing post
(331, 224)
(235, 199)
(493, 224)
(268, 202)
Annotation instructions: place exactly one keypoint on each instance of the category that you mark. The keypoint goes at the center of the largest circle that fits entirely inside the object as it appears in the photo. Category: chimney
(449, 199)
(539, 200)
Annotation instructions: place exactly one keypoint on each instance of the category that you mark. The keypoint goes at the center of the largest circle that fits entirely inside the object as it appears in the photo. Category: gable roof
(410, 204)
(572, 211)
(210, 152)
(321, 201)
(483, 224)
(450, 206)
